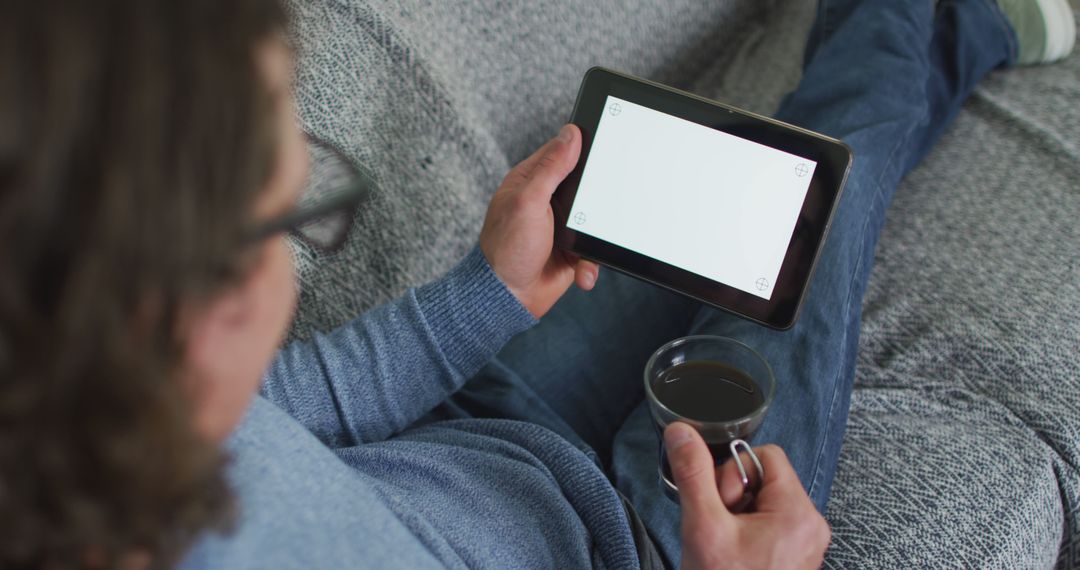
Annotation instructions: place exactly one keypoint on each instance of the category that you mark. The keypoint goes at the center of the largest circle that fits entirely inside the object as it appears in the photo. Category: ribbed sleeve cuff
(471, 313)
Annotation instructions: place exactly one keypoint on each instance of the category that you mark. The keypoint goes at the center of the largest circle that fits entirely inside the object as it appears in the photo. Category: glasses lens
(331, 174)
(327, 233)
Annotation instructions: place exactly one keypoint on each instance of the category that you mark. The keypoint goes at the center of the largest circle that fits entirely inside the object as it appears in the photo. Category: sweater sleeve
(374, 376)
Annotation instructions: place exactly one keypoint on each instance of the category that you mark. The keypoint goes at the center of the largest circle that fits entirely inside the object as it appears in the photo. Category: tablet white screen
(702, 200)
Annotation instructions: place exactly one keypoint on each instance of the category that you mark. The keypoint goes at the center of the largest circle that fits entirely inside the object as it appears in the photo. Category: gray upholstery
(963, 447)
(964, 438)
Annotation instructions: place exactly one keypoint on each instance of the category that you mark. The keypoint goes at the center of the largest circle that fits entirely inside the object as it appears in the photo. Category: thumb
(585, 274)
(558, 158)
(694, 470)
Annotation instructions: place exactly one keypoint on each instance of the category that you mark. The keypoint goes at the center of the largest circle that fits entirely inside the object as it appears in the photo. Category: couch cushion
(963, 447)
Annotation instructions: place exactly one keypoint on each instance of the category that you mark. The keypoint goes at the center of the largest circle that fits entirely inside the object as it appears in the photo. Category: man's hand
(519, 230)
(783, 531)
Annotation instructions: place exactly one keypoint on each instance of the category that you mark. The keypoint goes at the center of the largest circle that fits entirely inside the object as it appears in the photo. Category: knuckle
(774, 451)
(518, 176)
(548, 161)
(518, 203)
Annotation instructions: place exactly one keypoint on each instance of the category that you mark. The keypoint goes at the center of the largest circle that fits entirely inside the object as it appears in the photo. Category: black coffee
(707, 391)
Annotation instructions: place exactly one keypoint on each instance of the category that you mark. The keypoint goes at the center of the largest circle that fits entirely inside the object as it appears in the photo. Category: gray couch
(963, 447)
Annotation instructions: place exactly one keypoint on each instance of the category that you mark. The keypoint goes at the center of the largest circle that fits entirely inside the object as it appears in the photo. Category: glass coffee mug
(720, 387)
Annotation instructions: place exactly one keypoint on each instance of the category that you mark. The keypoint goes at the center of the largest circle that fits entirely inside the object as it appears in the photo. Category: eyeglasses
(325, 214)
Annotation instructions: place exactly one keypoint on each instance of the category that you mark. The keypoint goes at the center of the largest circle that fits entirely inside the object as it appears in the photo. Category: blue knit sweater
(329, 473)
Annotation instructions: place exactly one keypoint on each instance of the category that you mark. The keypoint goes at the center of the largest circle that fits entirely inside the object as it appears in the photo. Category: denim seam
(851, 292)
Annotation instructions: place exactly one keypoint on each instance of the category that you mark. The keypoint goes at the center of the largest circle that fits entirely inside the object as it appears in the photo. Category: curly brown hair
(135, 137)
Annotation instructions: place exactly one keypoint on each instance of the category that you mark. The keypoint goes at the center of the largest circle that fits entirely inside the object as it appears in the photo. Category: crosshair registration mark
(761, 284)
(614, 108)
(579, 218)
(801, 169)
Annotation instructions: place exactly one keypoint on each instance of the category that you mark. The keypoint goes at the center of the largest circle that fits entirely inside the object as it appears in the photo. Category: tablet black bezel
(833, 159)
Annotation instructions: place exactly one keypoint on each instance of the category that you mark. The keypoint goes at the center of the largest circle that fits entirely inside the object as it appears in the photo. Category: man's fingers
(730, 483)
(585, 274)
(521, 172)
(542, 172)
(694, 470)
(555, 163)
(782, 493)
(781, 485)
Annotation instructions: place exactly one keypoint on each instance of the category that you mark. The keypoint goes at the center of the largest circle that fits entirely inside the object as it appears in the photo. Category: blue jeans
(885, 76)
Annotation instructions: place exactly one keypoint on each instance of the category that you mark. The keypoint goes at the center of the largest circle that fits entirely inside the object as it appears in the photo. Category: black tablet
(722, 205)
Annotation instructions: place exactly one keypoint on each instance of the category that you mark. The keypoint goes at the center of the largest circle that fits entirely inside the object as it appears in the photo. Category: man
(148, 164)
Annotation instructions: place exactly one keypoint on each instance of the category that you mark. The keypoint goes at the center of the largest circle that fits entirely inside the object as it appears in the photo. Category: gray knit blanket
(963, 447)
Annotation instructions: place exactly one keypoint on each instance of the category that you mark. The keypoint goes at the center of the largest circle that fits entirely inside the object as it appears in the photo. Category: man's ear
(215, 333)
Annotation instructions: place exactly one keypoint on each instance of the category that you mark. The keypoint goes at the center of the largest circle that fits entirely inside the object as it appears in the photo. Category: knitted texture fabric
(963, 446)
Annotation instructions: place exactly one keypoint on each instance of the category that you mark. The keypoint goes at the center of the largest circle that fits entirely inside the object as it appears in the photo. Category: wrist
(519, 292)
(472, 313)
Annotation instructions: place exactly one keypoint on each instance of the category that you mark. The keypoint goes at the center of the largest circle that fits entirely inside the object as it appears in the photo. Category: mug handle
(750, 486)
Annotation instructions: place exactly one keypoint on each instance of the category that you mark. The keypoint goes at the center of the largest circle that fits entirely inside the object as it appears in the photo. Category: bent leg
(887, 82)
(884, 76)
